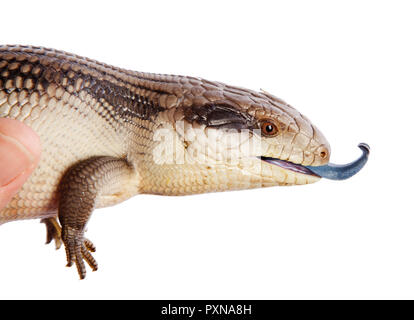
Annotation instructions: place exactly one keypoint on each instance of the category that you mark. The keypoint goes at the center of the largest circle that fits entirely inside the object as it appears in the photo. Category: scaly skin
(108, 134)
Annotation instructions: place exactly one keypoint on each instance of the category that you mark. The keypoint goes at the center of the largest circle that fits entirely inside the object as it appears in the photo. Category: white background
(347, 65)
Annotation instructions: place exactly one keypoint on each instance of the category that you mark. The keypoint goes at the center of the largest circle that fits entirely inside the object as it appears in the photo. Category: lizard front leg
(90, 183)
(53, 231)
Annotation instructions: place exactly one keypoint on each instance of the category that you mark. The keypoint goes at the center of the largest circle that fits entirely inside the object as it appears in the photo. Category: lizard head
(233, 138)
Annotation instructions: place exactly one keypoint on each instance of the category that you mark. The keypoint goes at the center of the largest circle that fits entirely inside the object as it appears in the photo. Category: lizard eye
(269, 128)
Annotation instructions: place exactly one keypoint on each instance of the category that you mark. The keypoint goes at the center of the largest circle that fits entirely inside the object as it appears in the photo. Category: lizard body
(108, 134)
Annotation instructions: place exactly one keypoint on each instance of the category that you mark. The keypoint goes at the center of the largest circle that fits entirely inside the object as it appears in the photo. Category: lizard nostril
(323, 152)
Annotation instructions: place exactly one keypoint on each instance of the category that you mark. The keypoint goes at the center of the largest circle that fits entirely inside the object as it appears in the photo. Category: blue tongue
(344, 171)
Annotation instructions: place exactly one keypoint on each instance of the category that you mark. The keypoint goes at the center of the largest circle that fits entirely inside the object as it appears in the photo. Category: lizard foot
(78, 249)
(53, 231)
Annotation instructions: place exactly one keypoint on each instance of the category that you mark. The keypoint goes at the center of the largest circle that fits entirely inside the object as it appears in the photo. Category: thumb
(19, 155)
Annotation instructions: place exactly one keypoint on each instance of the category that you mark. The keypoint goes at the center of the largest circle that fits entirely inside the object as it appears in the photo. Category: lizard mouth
(330, 171)
(289, 166)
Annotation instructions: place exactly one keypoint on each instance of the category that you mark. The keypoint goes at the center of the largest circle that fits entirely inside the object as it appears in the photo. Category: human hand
(19, 156)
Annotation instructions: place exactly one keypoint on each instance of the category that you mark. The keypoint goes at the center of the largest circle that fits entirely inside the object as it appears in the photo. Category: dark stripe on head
(220, 116)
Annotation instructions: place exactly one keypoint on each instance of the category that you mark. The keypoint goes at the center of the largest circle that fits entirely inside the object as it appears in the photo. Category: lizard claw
(53, 231)
(78, 250)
